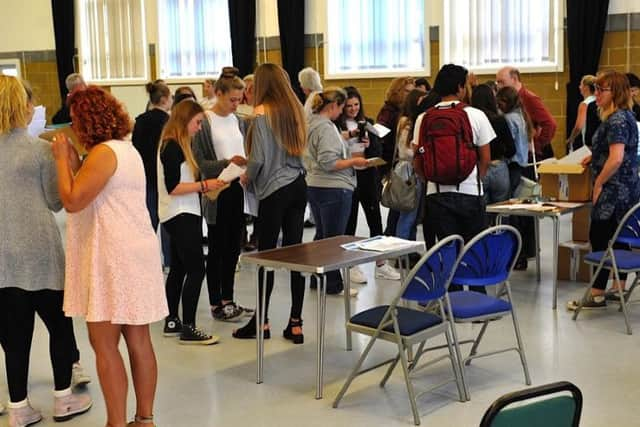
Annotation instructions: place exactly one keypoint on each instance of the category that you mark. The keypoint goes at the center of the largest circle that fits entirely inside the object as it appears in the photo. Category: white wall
(623, 6)
(26, 25)
(267, 18)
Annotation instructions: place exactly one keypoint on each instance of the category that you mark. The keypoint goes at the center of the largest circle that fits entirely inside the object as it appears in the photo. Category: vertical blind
(113, 40)
(194, 38)
(489, 33)
(376, 36)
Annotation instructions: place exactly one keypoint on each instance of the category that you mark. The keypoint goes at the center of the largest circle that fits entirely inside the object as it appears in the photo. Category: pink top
(113, 267)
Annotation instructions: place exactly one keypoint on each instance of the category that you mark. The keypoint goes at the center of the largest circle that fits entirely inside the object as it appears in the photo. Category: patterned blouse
(622, 190)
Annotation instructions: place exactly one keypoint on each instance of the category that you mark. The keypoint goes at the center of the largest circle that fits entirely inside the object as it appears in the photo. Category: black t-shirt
(502, 146)
(592, 122)
(146, 138)
(172, 158)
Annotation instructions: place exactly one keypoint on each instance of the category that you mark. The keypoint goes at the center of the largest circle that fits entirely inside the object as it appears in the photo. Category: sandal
(141, 420)
(293, 332)
(248, 331)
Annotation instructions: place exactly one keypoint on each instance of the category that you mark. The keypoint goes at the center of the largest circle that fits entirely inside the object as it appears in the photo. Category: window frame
(556, 33)
(423, 72)
(183, 80)
(12, 61)
(81, 28)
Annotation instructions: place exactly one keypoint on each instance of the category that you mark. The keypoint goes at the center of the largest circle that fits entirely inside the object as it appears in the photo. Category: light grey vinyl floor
(215, 386)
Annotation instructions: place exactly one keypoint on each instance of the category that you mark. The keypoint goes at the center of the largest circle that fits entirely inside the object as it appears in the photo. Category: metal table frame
(276, 259)
(501, 211)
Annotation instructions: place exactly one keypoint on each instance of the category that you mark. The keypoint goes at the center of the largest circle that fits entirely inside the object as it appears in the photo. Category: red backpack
(446, 145)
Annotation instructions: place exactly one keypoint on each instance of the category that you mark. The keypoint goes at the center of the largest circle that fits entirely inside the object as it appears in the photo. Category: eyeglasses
(603, 89)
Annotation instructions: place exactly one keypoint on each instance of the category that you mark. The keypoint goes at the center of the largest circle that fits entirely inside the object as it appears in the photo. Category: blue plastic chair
(487, 260)
(619, 260)
(427, 281)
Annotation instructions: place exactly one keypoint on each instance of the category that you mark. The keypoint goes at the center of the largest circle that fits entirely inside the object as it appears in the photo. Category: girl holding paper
(180, 215)
(216, 146)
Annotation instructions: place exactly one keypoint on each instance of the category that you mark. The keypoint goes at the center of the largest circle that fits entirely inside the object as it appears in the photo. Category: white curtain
(194, 37)
(375, 36)
(113, 40)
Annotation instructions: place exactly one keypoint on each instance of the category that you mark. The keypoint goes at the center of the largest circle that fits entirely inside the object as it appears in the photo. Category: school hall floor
(215, 385)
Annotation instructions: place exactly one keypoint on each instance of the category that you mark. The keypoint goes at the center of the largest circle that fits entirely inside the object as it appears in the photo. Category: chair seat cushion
(410, 321)
(480, 281)
(467, 304)
(626, 260)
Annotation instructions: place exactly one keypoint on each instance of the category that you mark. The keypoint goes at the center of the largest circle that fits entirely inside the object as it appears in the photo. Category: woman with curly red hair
(113, 271)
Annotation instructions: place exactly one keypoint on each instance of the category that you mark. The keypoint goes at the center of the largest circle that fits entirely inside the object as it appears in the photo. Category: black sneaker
(590, 302)
(227, 312)
(172, 327)
(192, 335)
(614, 295)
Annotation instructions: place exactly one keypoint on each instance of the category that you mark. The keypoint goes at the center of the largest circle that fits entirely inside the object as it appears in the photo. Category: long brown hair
(176, 130)
(282, 109)
(508, 100)
(395, 93)
(620, 92)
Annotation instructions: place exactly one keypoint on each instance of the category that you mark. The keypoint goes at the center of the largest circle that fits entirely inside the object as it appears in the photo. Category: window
(485, 35)
(194, 38)
(382, 38)
(113, 41)
(10, 67)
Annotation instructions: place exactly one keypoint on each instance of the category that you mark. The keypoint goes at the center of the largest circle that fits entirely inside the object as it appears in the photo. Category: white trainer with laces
(67, 404)
(78, 376)
(21, 414)
(357, 276)
(387, 272)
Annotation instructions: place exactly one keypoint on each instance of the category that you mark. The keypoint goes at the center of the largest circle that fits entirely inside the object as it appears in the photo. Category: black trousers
(367, 193)
(225, 240)
(600, 232)
(17, 310)
(455, 213)
(283, 210)
(187, 265)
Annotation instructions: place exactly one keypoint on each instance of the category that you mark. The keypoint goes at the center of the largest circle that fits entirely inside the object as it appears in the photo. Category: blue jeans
(496, 183)
(406, 227)
(331, 208)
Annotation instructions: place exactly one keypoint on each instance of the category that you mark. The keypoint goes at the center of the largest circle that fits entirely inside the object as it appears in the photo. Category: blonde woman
(587, 90)
(179, 211)
(275, 174)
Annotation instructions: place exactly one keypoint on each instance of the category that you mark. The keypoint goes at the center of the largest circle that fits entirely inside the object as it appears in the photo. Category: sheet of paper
(384, 244)
(376, 161)
(231, 172)
(251, 203)
(378, 130)
(576, 156)
(38, 122)
(569, 205)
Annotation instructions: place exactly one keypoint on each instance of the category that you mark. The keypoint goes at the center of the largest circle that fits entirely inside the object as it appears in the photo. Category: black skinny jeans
(367, 193)
(224, 239)
(283, 210)
(187, 265)
(600, 232)
(17, 310)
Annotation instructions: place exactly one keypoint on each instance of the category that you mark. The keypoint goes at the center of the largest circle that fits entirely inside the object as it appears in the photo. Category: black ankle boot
(288, 333)
(248, 331)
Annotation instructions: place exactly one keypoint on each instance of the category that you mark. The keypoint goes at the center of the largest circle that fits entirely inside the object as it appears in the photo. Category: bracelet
(202, 186)
(206, 185)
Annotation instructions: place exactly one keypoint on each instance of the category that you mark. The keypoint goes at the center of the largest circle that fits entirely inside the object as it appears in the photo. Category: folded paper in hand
(378, 130)
(376, 161)
(228, 174)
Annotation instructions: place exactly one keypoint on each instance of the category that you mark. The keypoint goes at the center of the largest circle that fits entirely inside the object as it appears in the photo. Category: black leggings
(225, 239)
(367, 194)
(187, 260)
(600, 232)
(283, 209)
(17, 310)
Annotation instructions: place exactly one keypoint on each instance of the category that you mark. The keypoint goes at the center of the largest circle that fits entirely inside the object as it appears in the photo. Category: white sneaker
(70, 405)
(78, 377)
(352, 293)
(24, 415)
(357, 276)
(387, 272)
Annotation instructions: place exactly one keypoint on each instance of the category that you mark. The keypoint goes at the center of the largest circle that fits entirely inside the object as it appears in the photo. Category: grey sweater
(324, 148)
(210, 166)
(31, 254)
(270, 166)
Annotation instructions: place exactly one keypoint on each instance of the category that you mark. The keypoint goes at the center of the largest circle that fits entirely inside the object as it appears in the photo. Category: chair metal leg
(456, 368)
(476, 343)
(390, 369)
(354, 372)
(456, 344)
(523, 358)
(623, 304)
(588, 290)
(260, 318)
(405, 371)
(630, 290)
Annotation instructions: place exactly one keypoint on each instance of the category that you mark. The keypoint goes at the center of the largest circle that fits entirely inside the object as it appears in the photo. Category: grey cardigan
(210, 166)
(31, 254)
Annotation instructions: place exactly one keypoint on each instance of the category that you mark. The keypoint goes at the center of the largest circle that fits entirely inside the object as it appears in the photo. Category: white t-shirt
(354, 143)
(483, 133)
(226, 136)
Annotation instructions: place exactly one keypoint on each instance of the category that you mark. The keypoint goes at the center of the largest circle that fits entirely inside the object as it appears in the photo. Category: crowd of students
(120, 193)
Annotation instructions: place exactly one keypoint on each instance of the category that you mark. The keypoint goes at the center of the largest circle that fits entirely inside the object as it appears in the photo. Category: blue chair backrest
(629, 229)
(489, 257)
(433, 272)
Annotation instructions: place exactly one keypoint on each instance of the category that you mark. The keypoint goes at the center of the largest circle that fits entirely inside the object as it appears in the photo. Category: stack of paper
(380, 244)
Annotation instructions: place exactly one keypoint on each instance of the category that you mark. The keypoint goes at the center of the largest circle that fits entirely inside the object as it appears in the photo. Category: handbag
(399, 191)
(529, 189)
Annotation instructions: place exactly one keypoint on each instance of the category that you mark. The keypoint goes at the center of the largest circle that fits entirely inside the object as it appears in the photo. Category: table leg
(499, 218)
(322, 303)
(556, 241)
(260, 297)
(347, 304)
(536, 225)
